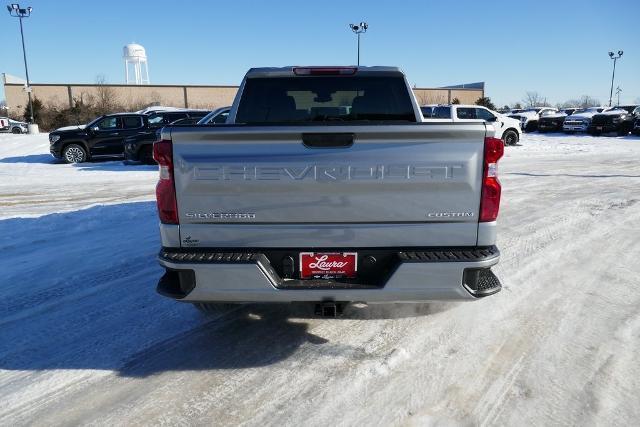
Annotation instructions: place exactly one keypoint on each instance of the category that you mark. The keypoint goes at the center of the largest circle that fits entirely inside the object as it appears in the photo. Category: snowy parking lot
(86, 340)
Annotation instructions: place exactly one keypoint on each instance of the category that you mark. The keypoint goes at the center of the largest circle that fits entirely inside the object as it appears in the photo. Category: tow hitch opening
(329, 309)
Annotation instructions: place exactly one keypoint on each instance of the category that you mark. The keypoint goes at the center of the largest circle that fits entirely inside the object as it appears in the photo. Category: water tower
(135, 58)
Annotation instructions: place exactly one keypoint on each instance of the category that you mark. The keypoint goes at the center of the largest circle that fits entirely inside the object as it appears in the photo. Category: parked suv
(507, 129)
(618, 119)
(138, 147)
(103, 137)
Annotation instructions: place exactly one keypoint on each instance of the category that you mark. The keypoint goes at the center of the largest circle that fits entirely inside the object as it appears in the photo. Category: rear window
(131, 122)
(172, 117)
(442, 113)
(325, 99)
(466, 113)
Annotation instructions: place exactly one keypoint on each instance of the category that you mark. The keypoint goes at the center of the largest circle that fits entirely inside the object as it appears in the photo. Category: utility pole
(613, 75)
(618, 90)
(359, 29)
(17, 12)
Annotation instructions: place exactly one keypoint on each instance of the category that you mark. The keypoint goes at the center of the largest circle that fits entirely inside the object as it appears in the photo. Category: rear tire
(74, 153)
(210, 308)
(16, 130)
(510, 137)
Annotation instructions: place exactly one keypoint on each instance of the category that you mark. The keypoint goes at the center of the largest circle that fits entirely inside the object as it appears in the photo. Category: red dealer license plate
(318, 265)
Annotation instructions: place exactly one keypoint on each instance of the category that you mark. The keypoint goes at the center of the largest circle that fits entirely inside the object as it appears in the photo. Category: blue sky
(557, 48)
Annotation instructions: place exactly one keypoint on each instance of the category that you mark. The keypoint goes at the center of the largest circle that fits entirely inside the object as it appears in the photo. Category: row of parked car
(131, 135)
(128, 135)
(621, 119)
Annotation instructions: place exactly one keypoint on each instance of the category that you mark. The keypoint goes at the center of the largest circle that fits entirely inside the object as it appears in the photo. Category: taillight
(324, 71)
(491, 189)
(165, 189)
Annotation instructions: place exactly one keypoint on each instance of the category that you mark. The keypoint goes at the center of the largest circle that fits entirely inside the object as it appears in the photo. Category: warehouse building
(63, 95)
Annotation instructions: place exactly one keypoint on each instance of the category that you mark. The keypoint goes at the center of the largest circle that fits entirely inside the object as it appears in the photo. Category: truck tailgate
(403, 176)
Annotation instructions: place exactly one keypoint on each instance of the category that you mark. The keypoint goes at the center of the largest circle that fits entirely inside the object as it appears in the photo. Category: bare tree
(105, 95)
(586, 101)
(569, 103)
(533, 99)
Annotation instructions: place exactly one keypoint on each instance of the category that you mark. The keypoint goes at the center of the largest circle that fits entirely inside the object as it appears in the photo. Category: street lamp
(613, 75)
(17, 12)
(359, 29)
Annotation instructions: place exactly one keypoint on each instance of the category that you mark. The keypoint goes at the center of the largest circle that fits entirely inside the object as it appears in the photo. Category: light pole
(618, 90)
(17, 12)
(359, 29)
(613, 75)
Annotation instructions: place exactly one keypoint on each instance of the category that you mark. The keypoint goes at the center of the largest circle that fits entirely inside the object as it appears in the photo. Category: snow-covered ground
(84, 339)
(33, 183)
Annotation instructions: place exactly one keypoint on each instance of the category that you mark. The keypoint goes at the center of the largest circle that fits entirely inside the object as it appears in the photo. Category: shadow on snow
(80, 294)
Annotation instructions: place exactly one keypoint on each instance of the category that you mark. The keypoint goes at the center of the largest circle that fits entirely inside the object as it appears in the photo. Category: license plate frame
(328, 265)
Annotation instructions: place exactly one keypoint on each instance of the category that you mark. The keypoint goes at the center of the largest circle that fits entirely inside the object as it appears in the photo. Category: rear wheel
(214, 307)
(74, 153)
(510, 137)
(16, 130)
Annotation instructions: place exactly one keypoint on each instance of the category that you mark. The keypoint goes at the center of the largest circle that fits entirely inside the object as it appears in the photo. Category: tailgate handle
(327, 140)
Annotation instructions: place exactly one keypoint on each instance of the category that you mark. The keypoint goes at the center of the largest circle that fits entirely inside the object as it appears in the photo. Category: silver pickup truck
(325, 185)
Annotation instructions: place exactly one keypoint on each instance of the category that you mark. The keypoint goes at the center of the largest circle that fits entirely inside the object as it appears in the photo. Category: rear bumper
(414, 275)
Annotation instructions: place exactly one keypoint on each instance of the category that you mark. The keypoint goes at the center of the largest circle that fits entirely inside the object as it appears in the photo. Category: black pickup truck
(619, 119)
(104, 136)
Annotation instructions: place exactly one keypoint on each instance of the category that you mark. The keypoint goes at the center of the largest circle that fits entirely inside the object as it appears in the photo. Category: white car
(13, 126)
(529, 117)
(507, 128)
(580, 120)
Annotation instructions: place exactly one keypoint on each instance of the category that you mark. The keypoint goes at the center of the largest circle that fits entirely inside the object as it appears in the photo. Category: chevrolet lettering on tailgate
(328, 173)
